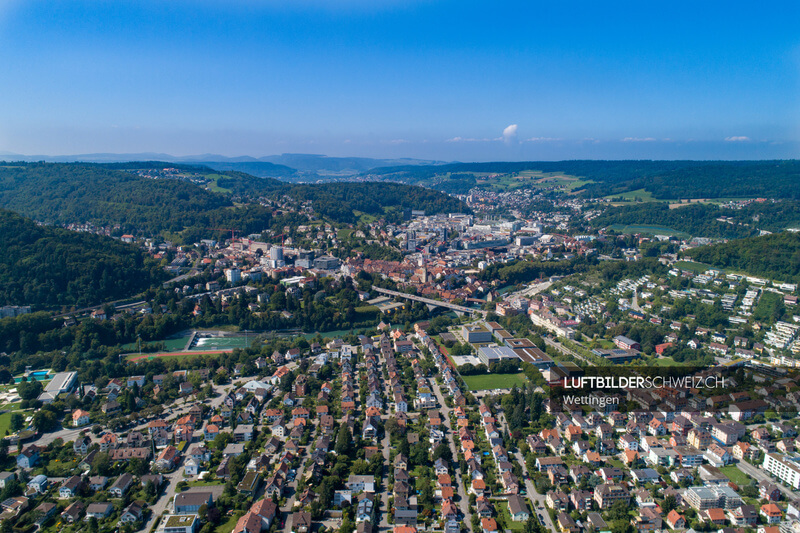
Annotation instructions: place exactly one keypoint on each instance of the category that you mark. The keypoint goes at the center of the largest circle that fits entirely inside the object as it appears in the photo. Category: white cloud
(638, 139)
(510, 133)
(739, 138)
(509, 136)
(543, 139)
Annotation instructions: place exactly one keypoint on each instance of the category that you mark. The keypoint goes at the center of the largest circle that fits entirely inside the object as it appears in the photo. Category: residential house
(121, 485)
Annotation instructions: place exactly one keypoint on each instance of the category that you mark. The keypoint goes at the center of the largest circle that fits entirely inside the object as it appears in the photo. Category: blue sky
(451, 80)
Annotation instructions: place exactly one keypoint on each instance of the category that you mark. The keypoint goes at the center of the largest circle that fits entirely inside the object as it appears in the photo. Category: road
(171, 480)
(761, 475)
(383, 510)
(386, 446)
(538, 499)
(288, 509)
(193, 271)
(463, 502)
(635, 301)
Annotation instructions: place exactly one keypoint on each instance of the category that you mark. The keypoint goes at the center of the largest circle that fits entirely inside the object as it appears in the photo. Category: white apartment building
(784, 469)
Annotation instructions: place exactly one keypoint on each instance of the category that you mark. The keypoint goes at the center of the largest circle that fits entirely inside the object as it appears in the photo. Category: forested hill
(775, 256)
(664, 179)
(56, 193)
(114, 195)
(45, 266)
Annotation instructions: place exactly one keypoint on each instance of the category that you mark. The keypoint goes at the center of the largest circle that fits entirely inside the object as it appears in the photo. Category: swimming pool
(38, 375)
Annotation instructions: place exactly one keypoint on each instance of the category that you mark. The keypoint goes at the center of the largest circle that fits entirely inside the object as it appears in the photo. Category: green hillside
(44, 266)
(774, 256)
(114, 195)
(56, 193)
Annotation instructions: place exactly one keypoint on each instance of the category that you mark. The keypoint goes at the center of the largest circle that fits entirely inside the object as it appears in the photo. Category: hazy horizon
(100, 157)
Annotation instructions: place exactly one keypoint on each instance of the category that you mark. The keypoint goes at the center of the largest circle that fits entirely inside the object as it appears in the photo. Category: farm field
(215, 186)
(632, 196)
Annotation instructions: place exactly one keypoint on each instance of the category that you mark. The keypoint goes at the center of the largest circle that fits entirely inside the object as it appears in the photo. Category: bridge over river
(430, 302)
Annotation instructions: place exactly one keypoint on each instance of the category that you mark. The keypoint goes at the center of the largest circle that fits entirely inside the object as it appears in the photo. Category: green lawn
(693, 266)
(365, 218)
(5, 424)
(667, 361)
(631, 196)
(494, 381)
(204, 483)
(502, 510)
(227, 526)
(736, 475)
(214, 187)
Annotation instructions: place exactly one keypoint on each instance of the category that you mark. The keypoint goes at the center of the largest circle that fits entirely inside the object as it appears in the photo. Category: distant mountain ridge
(294, 167)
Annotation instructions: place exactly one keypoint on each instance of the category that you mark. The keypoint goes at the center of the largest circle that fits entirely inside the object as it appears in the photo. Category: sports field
(494, 381)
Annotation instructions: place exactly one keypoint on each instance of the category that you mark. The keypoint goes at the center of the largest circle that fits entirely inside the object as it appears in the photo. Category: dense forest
(664, 179)
(105, 195)
(261, 169)
(78, 193)
(774, 256)
(45, 266)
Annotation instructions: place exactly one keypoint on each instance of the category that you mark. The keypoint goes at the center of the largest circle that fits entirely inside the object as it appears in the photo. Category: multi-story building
(476, 333)
(716, 497)
(784, 469)
(607, 494)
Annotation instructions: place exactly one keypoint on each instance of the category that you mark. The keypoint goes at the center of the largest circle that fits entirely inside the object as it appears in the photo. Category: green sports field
(494, 381)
